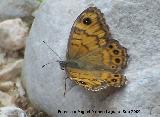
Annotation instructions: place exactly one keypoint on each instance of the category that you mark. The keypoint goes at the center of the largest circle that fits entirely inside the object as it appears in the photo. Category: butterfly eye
(87, 21)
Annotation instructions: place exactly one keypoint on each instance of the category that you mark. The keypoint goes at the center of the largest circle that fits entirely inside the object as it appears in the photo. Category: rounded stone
(135, 27)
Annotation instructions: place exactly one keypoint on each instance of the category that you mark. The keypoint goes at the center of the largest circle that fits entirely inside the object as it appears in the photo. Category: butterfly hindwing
(94, 79)
(112, 57)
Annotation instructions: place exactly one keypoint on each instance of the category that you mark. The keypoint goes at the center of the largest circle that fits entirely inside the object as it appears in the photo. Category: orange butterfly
(94, 60)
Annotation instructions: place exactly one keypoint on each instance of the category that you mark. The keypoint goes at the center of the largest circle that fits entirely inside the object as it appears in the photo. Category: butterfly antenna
(46, 64)
(52, 50)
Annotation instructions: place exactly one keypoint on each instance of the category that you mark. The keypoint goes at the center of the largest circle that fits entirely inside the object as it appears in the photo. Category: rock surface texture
(134, 23)
(17, 8)
(12, 112)
(13, 34)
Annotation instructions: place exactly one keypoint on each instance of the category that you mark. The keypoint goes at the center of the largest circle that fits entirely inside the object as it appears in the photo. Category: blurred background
(16, 18)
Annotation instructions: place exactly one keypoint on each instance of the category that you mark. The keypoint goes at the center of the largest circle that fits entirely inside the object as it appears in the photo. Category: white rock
(20, 89)
(5, 86)
(2, 58)
(11, 70)
(134, 23)
(5, 99)
(13, 34)
(12, 112)
(17, 8)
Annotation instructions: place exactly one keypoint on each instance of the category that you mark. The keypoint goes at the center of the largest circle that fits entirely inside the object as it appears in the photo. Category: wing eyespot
(117, 60)
(113, 66)
(87, 21)
(114, 80)
(116, 75)
(116, 52)
(81, 82)
(110, 46)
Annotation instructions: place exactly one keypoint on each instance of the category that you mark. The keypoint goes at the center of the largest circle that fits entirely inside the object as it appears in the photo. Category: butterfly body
(94, 60)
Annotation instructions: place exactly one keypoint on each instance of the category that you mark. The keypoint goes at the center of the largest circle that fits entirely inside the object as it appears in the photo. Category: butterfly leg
(65, 86)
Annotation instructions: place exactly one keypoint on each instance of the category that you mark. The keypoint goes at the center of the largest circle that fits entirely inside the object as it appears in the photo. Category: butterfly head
(62, 64)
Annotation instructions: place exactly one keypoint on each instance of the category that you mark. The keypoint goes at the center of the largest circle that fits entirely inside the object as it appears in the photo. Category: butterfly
(94, 60)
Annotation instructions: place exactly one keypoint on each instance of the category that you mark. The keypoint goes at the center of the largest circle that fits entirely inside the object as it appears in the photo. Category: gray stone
(17, 8)
(134, 23)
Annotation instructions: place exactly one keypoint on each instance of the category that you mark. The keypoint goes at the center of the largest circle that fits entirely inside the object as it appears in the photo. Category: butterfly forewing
(88, 33)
